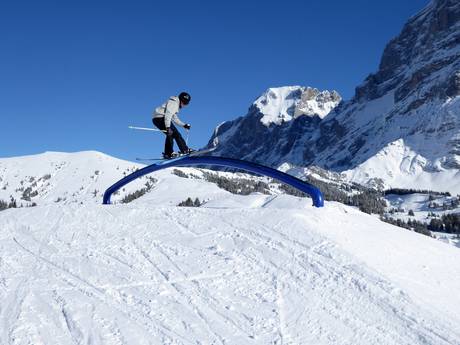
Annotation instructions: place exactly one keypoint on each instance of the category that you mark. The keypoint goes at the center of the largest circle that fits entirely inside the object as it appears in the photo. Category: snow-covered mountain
(50, 177)
(82, 178)
(405, 118)
(275, 124)
(398, 165)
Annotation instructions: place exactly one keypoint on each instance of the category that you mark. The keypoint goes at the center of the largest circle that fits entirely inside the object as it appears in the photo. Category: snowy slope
(399, 166)
(260, 269)
(420, 204)
(425, 207)
(83, 177)
(80, 177)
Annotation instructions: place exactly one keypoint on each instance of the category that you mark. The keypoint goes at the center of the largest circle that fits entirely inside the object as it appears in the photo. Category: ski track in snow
(137, 275)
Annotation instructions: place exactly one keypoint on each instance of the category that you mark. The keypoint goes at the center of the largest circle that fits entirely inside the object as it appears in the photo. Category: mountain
(69, 178)
(283, 104)
(81, 178)
(275, 125)
(405, 118)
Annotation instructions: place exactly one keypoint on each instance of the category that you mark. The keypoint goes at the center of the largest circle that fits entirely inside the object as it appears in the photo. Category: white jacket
(169, 111)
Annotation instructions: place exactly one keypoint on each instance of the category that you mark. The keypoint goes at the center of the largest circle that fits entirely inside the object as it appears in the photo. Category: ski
(175, 155)
(148, 159)
(178, 155)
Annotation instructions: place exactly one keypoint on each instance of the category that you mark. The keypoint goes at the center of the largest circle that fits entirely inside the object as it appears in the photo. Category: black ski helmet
(185, 98)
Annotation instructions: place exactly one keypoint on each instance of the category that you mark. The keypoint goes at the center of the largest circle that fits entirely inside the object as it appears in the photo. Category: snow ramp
(133, 275)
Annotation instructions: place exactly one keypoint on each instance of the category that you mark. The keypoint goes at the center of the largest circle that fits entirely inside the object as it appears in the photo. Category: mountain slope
(50, 177)
(413, 99)
(281, 273)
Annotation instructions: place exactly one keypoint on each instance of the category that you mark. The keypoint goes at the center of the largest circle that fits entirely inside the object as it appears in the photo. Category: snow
(79, 177)
(418, 202)
(451, 239)
(149, 274)
(277, 105)
(256, 269)
(398, 166)
(425, 207)
(282, 104)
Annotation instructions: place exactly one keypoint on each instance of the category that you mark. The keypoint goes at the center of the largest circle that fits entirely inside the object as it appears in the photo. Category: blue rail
(305, 187)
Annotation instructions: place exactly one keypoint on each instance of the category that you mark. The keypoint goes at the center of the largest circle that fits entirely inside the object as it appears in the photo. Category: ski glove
(169, 131)
(187, 126)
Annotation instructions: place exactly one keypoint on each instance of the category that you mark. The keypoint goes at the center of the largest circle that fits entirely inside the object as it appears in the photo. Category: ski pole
(186, 138)
(146, 129)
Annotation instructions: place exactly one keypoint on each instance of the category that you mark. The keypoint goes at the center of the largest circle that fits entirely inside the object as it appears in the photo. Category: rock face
(413, 96)
(414, 99)
(282, 104)
(275, 124)
(427, 45)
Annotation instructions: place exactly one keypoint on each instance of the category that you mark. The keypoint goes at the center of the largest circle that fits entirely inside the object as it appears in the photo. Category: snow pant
(159, 122)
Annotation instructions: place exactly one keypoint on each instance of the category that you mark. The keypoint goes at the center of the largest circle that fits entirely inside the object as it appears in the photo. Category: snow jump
(210, 161)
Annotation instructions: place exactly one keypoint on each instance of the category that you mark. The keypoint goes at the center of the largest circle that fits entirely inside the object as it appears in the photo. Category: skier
(164, 115)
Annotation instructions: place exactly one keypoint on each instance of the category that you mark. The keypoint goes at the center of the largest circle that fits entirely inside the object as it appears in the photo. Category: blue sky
(75, 74)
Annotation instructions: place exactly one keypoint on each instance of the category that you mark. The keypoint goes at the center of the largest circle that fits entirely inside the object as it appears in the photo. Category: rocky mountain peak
(315, 102)
(282, 104)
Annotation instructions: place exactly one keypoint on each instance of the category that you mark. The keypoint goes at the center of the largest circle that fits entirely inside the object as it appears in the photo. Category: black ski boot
(170, 156)
(189, 150)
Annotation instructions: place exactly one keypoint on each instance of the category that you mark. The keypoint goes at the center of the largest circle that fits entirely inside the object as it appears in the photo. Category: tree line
(407, 191)
(449, 223)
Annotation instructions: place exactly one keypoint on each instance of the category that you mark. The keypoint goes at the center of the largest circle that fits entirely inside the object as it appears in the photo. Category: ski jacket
(168, 111)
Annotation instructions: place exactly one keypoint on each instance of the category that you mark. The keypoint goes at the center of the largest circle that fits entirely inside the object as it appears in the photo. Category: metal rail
(303, 186)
